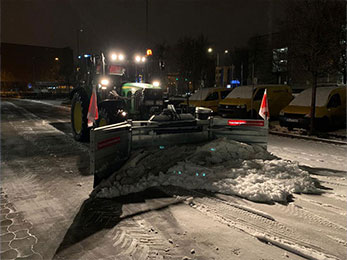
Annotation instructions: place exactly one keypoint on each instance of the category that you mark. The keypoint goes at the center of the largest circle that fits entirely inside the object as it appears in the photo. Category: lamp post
(210, 50)
(78, 31)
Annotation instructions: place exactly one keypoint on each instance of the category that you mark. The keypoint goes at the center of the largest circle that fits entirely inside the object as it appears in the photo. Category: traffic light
(149, 52)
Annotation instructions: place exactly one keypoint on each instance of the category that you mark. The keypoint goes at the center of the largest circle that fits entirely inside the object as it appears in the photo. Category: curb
(308, 138)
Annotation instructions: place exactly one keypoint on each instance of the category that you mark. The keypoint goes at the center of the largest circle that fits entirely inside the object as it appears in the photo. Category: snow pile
(221, 165)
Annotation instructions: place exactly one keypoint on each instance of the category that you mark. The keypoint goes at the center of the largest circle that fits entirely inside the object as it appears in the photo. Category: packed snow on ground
(222, 165)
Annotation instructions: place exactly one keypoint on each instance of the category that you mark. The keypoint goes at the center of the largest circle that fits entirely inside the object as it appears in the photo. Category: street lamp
(78, 31)
(210, 50)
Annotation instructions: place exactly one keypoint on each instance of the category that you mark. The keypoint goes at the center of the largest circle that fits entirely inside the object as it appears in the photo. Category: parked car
(207, 97)
(238, 104)
(330, 109)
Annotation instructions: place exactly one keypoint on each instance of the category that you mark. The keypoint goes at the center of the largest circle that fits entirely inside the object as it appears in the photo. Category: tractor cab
(142, 99)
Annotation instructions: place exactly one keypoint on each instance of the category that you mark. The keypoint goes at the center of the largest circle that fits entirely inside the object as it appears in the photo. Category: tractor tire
(79, 121)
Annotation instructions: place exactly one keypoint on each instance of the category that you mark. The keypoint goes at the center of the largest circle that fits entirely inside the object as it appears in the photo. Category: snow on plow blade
(111, 145)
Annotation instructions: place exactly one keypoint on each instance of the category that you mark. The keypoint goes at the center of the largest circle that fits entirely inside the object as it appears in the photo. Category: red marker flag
(264, 107)
(93, 113)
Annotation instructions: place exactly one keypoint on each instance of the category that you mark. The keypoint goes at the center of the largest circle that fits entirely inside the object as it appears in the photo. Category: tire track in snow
(130, 238)
(253, 224)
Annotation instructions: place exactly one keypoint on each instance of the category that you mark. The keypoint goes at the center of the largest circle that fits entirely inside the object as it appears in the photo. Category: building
(26, 67)
(271, 62)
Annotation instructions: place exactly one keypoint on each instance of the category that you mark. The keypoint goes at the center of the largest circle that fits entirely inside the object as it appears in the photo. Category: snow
(304, 98)
(222, 165)
(241, 92)
(200, 94)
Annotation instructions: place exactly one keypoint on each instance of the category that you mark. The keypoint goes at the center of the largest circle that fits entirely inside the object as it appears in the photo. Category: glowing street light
(56, 59)
(226, 51)
(210, 50)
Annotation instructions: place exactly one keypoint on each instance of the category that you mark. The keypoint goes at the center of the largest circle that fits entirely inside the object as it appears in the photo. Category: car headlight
(123, 113)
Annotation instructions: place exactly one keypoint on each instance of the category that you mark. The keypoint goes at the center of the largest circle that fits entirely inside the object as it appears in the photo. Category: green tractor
(116, 101)
(142, 99)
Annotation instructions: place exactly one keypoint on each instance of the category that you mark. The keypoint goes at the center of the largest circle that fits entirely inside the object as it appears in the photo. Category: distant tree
(66, 65)
(316, 37)
(260, 59)
(192, 60)
(239, 58)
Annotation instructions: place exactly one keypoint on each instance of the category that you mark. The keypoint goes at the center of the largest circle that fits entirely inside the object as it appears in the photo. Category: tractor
(116, 100)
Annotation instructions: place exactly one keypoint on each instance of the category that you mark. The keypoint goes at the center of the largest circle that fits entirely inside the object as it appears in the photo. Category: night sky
(120, 24)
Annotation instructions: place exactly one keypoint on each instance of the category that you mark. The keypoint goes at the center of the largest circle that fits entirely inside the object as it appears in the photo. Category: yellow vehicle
(241, 101)
(330, 108)
(208, 97)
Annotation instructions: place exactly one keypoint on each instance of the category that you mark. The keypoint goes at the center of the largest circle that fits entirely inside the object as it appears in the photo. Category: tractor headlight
(105, 82)
(156, 83)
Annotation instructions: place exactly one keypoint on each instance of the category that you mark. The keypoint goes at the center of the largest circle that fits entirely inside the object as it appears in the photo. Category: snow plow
(111, 146)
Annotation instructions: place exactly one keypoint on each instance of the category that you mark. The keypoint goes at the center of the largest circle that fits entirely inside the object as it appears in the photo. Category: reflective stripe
(246, 122)
(108, 142)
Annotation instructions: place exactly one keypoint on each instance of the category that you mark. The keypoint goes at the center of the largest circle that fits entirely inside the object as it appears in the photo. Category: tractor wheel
(79, 121)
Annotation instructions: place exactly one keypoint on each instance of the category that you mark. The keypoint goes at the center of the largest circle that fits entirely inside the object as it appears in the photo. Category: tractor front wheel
(79, 121)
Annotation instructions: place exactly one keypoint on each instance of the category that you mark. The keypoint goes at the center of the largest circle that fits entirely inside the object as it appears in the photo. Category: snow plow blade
(111, 145)
(250, 131)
